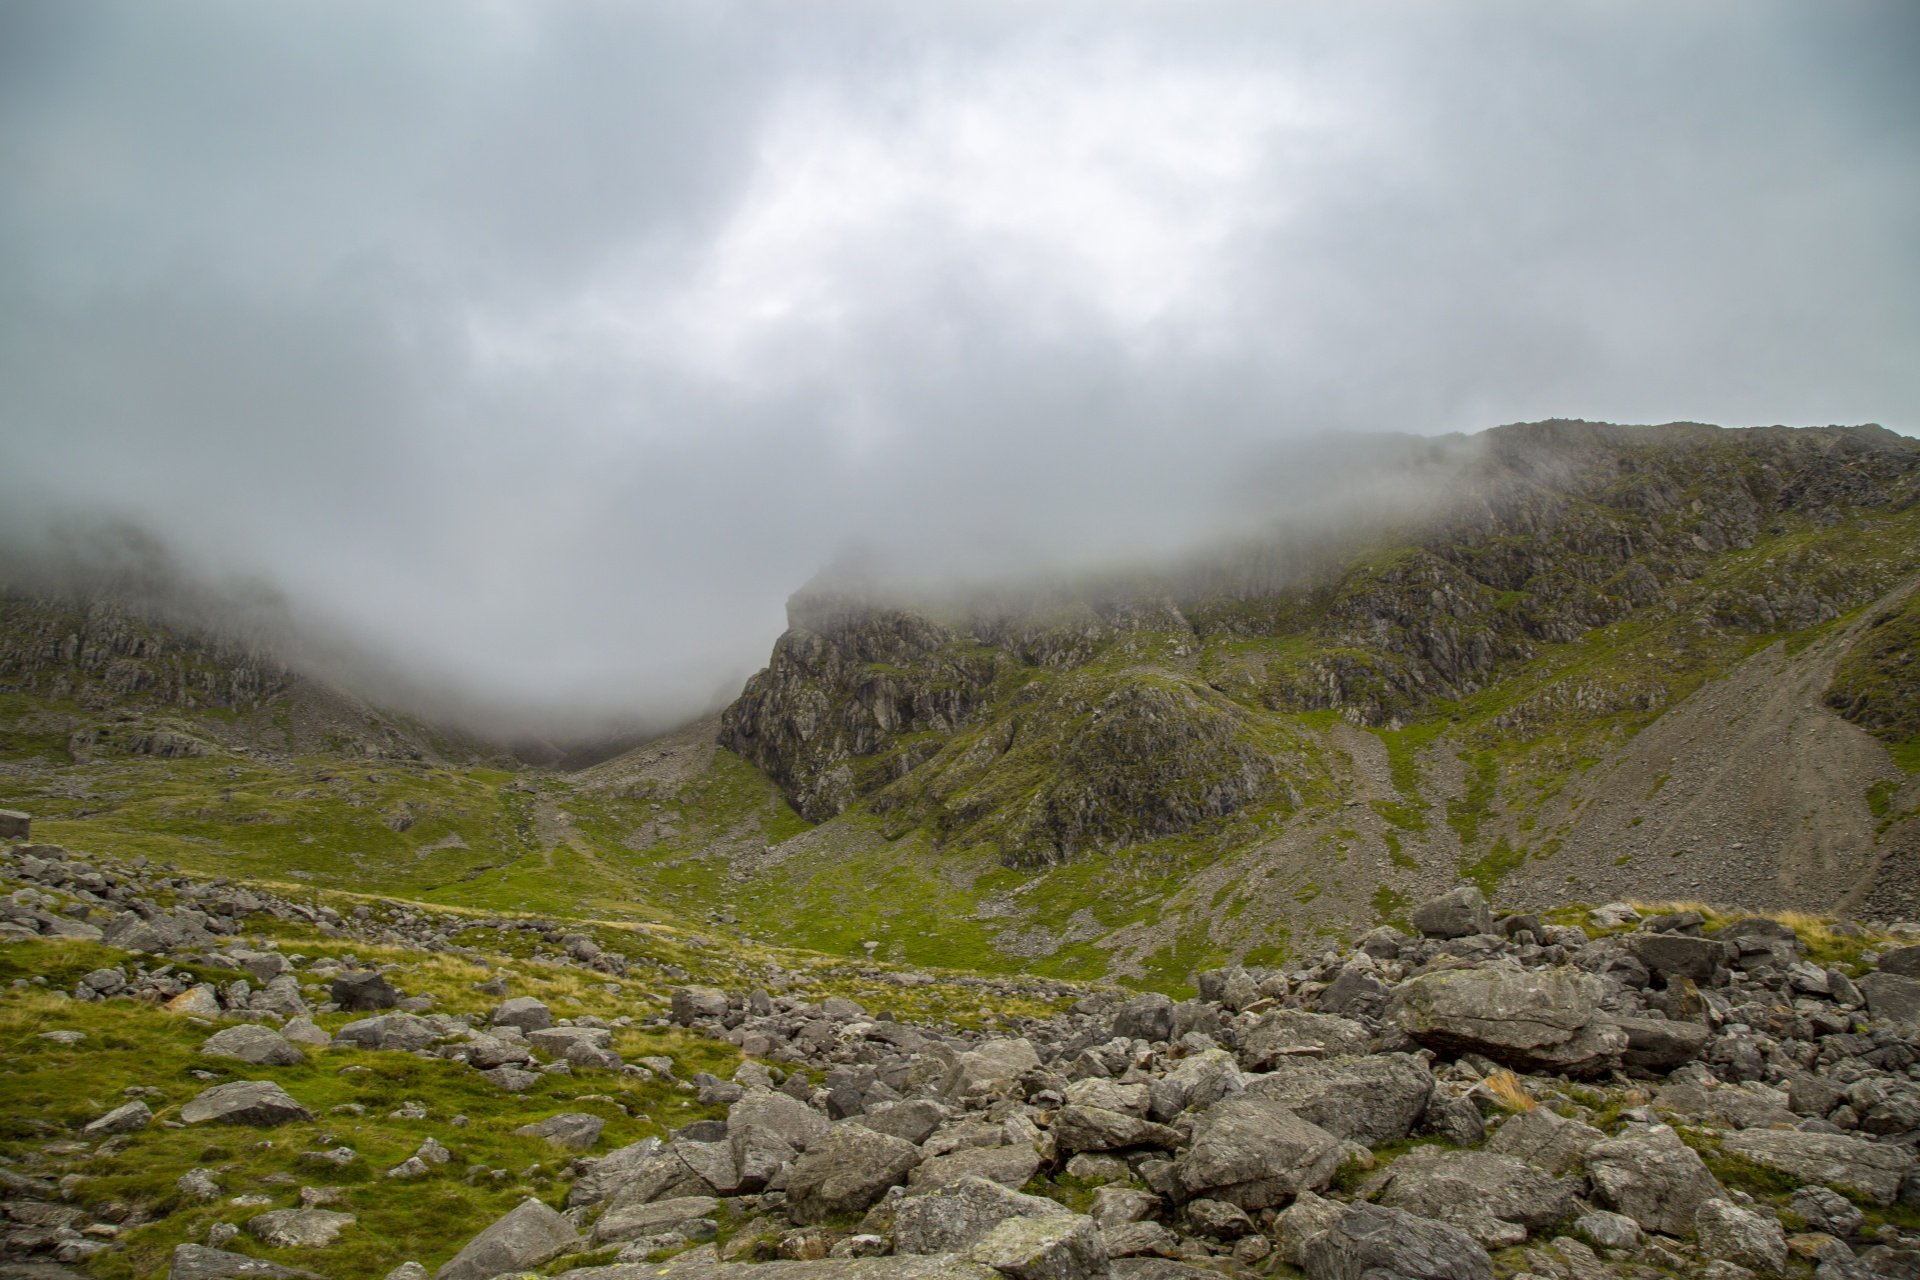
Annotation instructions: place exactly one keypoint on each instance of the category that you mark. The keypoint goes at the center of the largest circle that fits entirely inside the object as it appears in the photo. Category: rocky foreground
(1607, 1095)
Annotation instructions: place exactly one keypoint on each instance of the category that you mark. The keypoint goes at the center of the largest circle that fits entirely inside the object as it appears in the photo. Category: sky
(543, 347)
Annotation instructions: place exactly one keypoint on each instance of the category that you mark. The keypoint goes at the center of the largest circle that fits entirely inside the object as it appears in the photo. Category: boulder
(996, 1062)
(260, 1103)
(1459, 914)
(197, 1262)
(1077, 1128)
(511, 1079)
(846, 1171)
(1904, 961)
(1371, 1100)
(1891, 996)
(1460, 1186)
(958, 1216)
(131, 1118)
(1670, 955)
(1827, 1210)
(299, 1228)
(1305, 1218)
(1113, 1206)
(693, 1004)
(759, 1155)
(1741, 1236)
(1254, 1152)
(304, 1031)
(1059, 1246)
(1609, 1230)
(1288, 1033)
(362, 992)
(1139, 1239)
(524, 1012)
(252, 1043)
(282, 996)
(1657, 1044)
(1110, 1095)
(569, 1131)
(1874, 1169)
(1198, 1081)
(1218, 1219)
(630, 1222)
(915, 1121)
(1372, 1242)
(1534, 1021)
(1651, 1176)
(1008, 1166)
(1545, 1140)
(1146, 1017)
(196, 1002)
(524, 1238)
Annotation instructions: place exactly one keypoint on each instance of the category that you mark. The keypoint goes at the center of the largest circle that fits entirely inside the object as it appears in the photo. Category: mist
(536, 352)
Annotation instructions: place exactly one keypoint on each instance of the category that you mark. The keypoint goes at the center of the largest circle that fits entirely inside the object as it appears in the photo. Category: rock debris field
(1572, 1095)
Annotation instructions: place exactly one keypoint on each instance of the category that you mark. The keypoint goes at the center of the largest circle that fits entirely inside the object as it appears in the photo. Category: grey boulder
(1288, 1033)
(197, 1262)
(1062, 1246)
(362, 992)
(956, 1217)
(847, 1171)
(252, 1043)
(569, 1131)
(1544, 1020)
(1145, 1017)
(630, 1222)
(798, 1124)
(1254, 1152)
(1078, 1128)
(1372, 1242)
(131, 1118)
(1463, 1187)
(526, 1237)
(1651, 1176)
(1741, 1236)
(1874, 1169)
(523, 1012)
(299, 1228)
(394, 1032)
(1459, 914)
(1657, 1044)
(260, 1103)
(1545, 1140)
(1891, 996)
(1372, 1100)
(915, 1121)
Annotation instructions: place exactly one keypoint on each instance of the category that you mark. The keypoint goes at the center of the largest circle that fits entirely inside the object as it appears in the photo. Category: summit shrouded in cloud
(547, 348)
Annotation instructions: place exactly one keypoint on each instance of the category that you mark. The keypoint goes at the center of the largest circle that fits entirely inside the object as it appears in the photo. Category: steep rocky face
(1877, 683)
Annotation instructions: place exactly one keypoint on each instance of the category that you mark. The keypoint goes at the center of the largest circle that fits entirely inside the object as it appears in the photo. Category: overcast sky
(548, 346)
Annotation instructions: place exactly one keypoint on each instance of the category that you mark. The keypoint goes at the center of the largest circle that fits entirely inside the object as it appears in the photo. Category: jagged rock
(130, 1118)
(524, 1012)
(1904, 961)
(1651, 1176)
(1109, 1095)
(1113, 1206)
(197, 1262)
(759, 1155)
(915, 1121)
(1459, 914)
(260, 1103)
(411, 1167)
(846, 1171)
(1354, 994)
(713, 1161)
(484, 1053)
(996, 1062)
(1533, 1021)
(1008, 1166)
(600, 1179)
(196, 1002)
(1254, 1152)
(570, 1130)
(798, 1124)
(1306, 1217)
(1137, 1239)
(1371, 1242)
(1658, 1044)
(1292, 1032)
(282, 996)
(1196, 1081)
(511, 1079)
(1891, 996)
(394, 1032)
(1078, 1128)
(1455, 1119)
(1372, 1100)
(1219, 1219)
(252, 1043)
(630, 1222)
(1060, 1246)
(1827, 1210)
(1545, 1140)
(303, 1031)
(1741, 1236)
(1874, 1169)
(958, 1216)
(198, 1183)
(408, 1271)
(526, 1237)
(299, 1228)
(692, 1004)
(1458, 1186)
(1609, 1230)
(1148, 1017)
(361, 992)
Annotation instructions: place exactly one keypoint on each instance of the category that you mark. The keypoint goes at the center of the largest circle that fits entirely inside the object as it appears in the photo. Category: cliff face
(1047, 731)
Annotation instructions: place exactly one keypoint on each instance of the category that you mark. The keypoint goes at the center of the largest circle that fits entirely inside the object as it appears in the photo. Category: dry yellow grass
(1506, 1087)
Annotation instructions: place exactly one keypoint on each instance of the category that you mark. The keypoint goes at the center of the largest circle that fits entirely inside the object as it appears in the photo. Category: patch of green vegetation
(1880, 797)
(1466, 814)
(1397, 855)
(1390, 907)
(1487, 871)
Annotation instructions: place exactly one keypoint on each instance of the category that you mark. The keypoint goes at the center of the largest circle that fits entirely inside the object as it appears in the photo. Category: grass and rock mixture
(204, 1079)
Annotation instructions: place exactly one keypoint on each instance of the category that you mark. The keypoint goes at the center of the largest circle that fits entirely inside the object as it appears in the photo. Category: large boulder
(1545, 1140)
(1658, 1044)
(1198, 1081)
(958, 1216)
(693, 1004)
(1873, 1169)
(1300, 1221)
(1464, 1187)
(197, 1262)
(597, 1180)
(1459, 914)
(1372, 1242)
(1060, 1246)
(1741, 1236)
(1651, 1176)
(524, 1012)
(1671, 955)
(1904, 961)
(524, 1238)
(363, 991)
(395, 1032)
(1145, 1017)
(569, 1131)
(997, 1062)
(1371, 1100)
(1288, 1033)
(1891, 996)
(1546, 1020)
(1077, 1128)
(1009, 1166)
(846, 1171)
(130, 1118)
(915, 1120)
(796, 1122)
(630, 1222)
(299, 1228)
(252, 1043)
(260, 1103)
(1254, 1152)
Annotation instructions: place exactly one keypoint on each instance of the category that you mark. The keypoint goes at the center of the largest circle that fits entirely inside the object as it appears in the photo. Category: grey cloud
(546, 347)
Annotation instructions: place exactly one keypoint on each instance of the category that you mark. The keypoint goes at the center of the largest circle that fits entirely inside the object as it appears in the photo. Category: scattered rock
(1651, 1176)
(131, 1118)
(1545, 1020)
(252, 1043)
(954, 1218)
(1254, 1152)
(528, 1236)
(1741, 1236)
(1062, 1246)
(1459, 914)
(1874, 1169)
(570, 1130)
(1371, 1242)
(361, 992)
(299, 1228)
(197, 1262)
(260, 1103)
(846, 1171)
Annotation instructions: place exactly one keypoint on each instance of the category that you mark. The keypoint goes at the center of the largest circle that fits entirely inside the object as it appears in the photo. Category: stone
(1544, 1021)
(252, 1043)
(1545, 1140)
(569, 1131)
(1110, 1095)
(915, 1121)
(996, 1062)
(1113, 1206)
(1874, 1169)
(555, 1041)
(1197, 1081)
(759, 1156)
(1077, 1128)
(130, 1118)
(1285, 1033)
(1218, 1219)
(485, 1052)
(1306, 1217)
(1457, 1120)
(693, 1004)
(1459, 914)
(1372, 1242)
(260, 1103)
(15, 825)
(1891, 996)
(1371, 1100)
(1609, 1230)
(1008, 1166)
(1148, 1017)
(1827, 1210)
(526, 1237)
(362, 991)
(1741, 1236)
(197, 1262)
(631, 1222)
(195, 1002)
(1254, 1152)
(1061, 1246)
(197, 1184)
(1457, 1186)
(299, 1228)
(954, 1218)
(511, 1079)
(1138, 1239)
(1670, 955)
(393, 1032)
(411, 1167)
(1904, 961)
(800, 1126)
(524, 1012)
(846, 1171)
(1659, 1044)
(1651, 1176)
(408, 1271)
(303, 1031)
